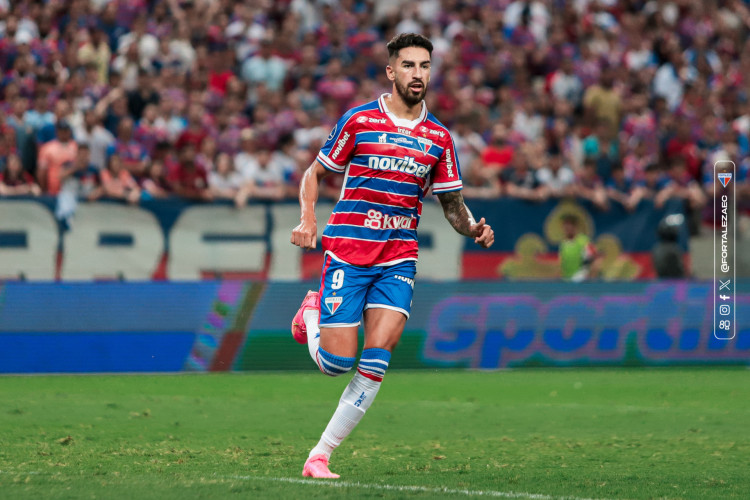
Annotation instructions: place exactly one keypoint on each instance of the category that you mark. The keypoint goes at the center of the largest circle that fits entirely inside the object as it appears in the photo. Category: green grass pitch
(598, 433)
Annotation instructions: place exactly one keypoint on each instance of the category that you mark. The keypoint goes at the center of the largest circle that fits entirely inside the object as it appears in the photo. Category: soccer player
(391, 150)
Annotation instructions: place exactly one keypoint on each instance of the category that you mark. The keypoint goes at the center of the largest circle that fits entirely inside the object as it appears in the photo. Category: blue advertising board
(238, 325)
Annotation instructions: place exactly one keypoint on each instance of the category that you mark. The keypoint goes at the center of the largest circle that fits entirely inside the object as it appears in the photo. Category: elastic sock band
(373, 363)
(333, 365)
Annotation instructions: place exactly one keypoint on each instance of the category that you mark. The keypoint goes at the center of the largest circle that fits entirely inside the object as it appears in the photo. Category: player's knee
(333, 365)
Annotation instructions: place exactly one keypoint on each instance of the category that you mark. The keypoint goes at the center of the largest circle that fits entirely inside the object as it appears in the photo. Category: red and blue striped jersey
(389, 163)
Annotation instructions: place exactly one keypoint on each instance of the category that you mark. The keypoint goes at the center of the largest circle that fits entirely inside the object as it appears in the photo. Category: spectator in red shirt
(195, 131)
(498, 154)
(189, 180)
(683, 145)
(221, 71)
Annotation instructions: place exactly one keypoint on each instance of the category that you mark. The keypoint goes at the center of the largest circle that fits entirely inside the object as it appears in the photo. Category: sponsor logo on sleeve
(340, 145)
(449, 161)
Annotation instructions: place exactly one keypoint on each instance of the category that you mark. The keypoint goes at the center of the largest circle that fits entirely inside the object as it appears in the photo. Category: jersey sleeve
(447, 174)
(338, 150)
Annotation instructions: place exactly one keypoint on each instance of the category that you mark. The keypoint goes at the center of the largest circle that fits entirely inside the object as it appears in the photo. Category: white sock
(354, 402)
(311, 318)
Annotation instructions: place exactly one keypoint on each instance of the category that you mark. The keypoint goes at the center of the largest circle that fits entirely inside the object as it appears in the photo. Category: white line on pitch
(417, 489)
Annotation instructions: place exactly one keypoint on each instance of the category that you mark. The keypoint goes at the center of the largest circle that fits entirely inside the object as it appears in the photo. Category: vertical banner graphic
(725, 274)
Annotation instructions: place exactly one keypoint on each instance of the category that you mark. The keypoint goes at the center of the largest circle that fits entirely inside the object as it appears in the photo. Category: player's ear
(390, 73)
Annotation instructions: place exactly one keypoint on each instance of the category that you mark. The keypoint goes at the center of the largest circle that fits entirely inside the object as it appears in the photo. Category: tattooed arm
(463, 222)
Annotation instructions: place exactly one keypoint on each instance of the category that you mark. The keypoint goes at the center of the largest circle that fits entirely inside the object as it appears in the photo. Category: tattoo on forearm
(457, 212)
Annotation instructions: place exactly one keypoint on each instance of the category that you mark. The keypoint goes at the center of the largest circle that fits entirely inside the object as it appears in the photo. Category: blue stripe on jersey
(404, 141)
(365, 233)
(386, 185)
(339, 127)
(362, 207)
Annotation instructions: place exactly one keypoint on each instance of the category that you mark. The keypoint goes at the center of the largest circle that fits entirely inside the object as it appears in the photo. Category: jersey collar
(402, 122)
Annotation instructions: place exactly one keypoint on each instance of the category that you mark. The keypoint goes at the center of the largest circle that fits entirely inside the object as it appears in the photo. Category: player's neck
(398, 107)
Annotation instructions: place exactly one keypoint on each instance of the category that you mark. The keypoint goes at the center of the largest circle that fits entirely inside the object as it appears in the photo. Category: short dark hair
(404, 40)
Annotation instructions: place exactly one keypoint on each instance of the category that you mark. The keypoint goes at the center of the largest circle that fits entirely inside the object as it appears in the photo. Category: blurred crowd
(609, 100)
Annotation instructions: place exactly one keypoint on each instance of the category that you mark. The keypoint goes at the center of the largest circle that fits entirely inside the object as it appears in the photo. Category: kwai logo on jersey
(333, 303)
(378, 220)
(724, 178)
(406, 165)
(424, 144)
(340, 145)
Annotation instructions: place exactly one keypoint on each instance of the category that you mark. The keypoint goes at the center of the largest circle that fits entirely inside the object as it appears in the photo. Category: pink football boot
(299, 330)
(317, 466)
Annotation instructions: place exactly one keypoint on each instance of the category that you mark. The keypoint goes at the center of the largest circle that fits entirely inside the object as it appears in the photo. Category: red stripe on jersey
(358, 219)
(327, 262)
(383, 198)
(391, 175)
(370, 376)
(365, 253)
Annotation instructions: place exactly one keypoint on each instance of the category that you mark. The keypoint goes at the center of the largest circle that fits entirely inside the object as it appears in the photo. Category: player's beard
(408, 95)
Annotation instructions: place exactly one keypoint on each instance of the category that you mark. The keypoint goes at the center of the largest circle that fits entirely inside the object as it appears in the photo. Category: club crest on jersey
(724, 177)
(333, 303)
(424, 144)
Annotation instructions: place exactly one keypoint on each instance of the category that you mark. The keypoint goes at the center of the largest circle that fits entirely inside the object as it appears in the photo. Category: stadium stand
(232, 100)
